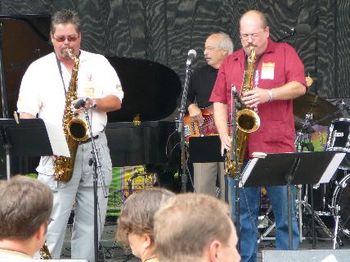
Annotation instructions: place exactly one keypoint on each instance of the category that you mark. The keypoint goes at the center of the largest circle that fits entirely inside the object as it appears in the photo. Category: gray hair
(225, 42)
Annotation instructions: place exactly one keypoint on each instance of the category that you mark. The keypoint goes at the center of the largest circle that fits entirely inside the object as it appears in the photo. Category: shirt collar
(271, 46)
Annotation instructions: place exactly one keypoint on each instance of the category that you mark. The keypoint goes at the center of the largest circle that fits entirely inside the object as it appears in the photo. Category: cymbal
(322, 111)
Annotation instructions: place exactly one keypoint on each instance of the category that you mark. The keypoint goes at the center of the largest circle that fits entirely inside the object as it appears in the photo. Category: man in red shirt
(278, 78)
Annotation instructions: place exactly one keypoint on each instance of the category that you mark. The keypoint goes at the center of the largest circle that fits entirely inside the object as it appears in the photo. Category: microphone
(302, 29)
(237, 97)
(191, 56)
(79, 103)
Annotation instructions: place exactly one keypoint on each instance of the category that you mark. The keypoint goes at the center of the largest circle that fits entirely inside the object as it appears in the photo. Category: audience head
(216, 48)
(195, 227)
(25, 209)
(135, 224)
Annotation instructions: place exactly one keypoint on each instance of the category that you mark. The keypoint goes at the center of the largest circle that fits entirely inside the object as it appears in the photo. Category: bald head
(254, 31)
(254, 15)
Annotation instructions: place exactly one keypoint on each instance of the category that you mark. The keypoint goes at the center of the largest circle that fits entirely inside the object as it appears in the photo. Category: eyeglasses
(69, 38)
(252, 36)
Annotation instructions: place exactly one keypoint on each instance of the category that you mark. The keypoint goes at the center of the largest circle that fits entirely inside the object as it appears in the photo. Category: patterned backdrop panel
(164, 30)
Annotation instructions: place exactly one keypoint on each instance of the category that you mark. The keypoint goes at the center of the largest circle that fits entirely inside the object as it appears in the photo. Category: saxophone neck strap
(60, 71)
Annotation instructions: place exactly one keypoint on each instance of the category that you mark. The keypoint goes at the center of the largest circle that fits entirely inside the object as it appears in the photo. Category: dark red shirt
(278, 65)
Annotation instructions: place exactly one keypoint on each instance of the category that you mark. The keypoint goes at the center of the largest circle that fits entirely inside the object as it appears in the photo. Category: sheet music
(57, 139)
(248, 169)
(332, 167)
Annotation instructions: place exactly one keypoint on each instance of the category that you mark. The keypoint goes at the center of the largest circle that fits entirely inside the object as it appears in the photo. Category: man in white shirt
(43, 92)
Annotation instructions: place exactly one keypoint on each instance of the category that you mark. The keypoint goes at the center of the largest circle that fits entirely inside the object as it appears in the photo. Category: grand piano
(137, 134)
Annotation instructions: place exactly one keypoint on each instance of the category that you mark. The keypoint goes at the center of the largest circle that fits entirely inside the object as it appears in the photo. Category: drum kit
(322, 126)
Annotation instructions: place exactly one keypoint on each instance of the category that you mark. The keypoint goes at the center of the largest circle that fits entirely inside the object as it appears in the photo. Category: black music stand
(205, 149)
(291, 169)
(27, 137)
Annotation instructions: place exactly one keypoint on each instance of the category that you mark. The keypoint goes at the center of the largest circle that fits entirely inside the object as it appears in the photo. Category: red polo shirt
(278, 65)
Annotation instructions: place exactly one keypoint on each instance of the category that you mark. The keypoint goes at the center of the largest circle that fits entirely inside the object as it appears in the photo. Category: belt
(89, 139)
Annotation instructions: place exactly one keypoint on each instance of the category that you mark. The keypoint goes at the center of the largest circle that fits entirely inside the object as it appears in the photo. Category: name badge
(88, 88)
(268, 70)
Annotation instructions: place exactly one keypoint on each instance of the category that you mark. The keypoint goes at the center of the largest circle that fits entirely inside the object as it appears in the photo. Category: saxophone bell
(78, 129)
(248, 121)
(44, 252)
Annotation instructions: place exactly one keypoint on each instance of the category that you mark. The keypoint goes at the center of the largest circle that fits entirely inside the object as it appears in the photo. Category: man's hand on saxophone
(256, 96)
(79, 105)
(226, 141)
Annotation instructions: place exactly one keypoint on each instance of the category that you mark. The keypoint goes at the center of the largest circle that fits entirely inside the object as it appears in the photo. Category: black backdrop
(164, 30)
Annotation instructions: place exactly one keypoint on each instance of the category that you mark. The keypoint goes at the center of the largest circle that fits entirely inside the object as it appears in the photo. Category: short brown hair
(65, 16)
(188, 223)
(25, 204)
(137, 214)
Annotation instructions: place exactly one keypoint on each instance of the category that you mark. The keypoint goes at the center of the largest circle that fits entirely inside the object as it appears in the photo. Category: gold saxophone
(247, 121)
(75, 129)
(44, 252)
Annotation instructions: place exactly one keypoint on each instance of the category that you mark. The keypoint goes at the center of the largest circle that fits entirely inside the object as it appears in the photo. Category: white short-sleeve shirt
(42, 91)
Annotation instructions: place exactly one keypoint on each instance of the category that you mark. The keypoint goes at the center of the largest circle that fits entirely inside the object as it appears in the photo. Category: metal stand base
(307, 207)
(336, 244)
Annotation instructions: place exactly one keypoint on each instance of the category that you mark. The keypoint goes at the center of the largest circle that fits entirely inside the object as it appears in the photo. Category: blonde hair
(188, 223)
(138, 211)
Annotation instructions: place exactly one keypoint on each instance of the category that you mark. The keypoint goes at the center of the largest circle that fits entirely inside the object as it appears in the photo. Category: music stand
(27, 137)
(291, 169)
(199, 153)
(198, 149)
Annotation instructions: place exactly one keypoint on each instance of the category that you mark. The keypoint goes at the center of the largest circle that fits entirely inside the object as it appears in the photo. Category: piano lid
(23, 39)
(150, 89)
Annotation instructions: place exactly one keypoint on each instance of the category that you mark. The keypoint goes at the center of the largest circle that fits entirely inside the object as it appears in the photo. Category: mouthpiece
(70, 53)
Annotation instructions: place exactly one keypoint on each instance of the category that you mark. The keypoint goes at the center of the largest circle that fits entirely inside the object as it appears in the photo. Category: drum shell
(341, 200)
(339, 140)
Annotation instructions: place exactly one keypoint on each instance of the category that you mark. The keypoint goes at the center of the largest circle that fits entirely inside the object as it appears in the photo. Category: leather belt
(89, 139)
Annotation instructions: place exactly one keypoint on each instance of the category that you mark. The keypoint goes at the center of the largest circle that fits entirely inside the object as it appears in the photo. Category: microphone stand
(95, 161)
(236, 104)
(180, 127)
(7, 147)
(3, 92)
(288, 35)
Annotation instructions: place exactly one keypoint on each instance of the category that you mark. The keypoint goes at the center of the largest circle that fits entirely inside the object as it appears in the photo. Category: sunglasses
(70, 38)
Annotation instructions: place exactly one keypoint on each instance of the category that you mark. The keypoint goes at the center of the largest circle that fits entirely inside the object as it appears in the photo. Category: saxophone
(75, 129)
(44, 252)
(247, 121)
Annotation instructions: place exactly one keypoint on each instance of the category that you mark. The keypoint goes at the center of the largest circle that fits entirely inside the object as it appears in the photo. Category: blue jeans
(249, 210)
